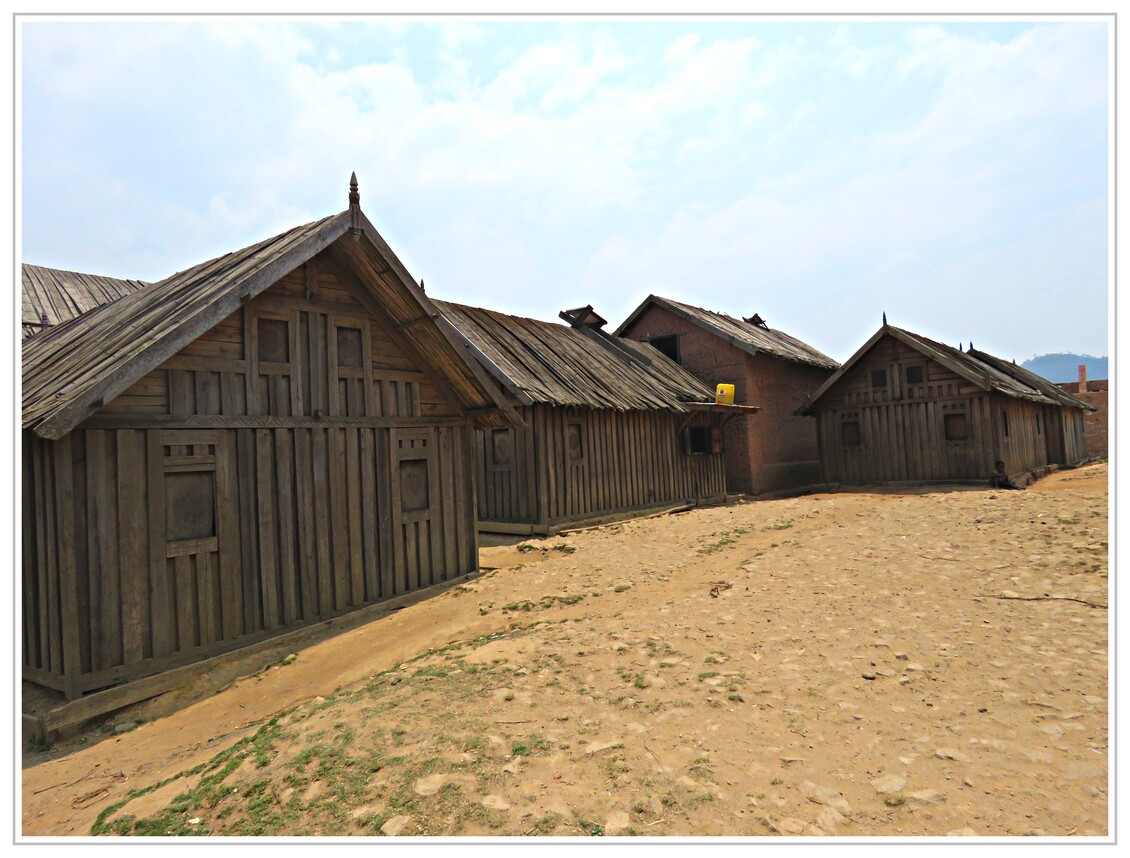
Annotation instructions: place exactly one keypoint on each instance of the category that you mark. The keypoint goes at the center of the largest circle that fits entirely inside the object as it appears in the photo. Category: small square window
(956, 427)
(698, 440)
(879, 378)
(850, 433)
(914, 375)
(668, 345)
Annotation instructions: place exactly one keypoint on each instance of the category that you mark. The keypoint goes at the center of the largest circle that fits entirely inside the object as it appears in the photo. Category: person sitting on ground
(999, 478)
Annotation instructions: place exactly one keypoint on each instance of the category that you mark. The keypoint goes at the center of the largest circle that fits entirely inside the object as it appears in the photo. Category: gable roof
(52, 296)
(71, 370)
(988, 375)
(554, 364)
(750, 337)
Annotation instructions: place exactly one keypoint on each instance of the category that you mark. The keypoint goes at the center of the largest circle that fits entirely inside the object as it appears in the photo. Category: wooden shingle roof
(989, 375)
(71, 370)
(1025, 376)
(555, 364)
(749, 336)
(52, 296)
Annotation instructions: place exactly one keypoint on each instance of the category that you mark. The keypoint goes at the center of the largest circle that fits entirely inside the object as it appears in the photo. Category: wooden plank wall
(1022, 434)
(246, 488)
(507, 475)
(575, 463)
(906, 441)
(902, 424)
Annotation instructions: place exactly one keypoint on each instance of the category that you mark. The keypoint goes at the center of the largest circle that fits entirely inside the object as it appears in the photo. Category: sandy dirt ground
(907, 663)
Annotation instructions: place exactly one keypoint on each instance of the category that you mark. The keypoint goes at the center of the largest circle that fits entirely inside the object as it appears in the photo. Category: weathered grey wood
(163, 619)
(353, 515)
(228, 538)
(249, 530)
(326, 597)
(384, 470)
(268, 527)
(369, 523)
(64, 507)
(284, 458)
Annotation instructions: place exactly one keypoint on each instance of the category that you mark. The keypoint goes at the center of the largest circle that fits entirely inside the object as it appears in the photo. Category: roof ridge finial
(354, 193)
(884, 318)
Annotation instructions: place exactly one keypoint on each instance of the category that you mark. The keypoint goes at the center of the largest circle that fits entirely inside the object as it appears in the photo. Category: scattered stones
(888, 784)
(791, 826)
(927, 796)
(950, 754)
(495, 802)
(617, 823)
(430, 785)
(829, 819)
(600, 746)
(394, 826)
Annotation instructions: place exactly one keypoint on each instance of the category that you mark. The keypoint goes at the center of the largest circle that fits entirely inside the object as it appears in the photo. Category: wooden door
(415, 500)
(193, 521)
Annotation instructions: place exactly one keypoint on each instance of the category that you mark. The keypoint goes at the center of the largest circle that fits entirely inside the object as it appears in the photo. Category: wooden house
(269, 439)
(613, 428)
(907, 408)
(777, 451)
(52, 296)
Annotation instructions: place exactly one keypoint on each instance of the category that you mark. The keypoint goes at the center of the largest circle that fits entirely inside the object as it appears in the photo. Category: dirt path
(924, 663)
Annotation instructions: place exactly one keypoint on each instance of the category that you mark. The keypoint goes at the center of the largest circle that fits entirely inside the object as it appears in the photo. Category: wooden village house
(271, 438)
(612, 427)
(778, 450)
(907, 408)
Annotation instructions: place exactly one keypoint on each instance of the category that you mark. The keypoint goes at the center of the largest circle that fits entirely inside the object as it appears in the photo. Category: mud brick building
(776, 371)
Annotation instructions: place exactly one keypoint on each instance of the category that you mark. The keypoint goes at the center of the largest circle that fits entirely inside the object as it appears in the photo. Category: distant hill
(1065, 367)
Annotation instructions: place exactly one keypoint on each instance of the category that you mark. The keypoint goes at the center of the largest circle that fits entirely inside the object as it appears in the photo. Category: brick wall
(767, 451)
(1095, 429)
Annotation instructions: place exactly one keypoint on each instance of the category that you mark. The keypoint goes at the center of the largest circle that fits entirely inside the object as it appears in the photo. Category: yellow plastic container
(724, 394)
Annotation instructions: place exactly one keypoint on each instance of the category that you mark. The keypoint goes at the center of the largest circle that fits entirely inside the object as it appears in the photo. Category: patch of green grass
(543, 603)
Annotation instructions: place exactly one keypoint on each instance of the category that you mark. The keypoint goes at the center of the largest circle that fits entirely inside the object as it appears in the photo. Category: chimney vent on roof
(1082, 378)
(43, 319)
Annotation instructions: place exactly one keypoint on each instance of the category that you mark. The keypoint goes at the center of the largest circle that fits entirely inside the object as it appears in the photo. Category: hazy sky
(954, 175)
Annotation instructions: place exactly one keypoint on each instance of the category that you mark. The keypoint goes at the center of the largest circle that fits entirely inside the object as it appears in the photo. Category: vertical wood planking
(322, 519)
(65, 510)
(249, 530)
(339, 518)
(307, 532)
(369, 523)
(387, 544)
(268, 526)
(288, 573)
(228, 536)
(132, 512)
(353, 504)
(87, 570)
(163, 610)
(105, 531)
